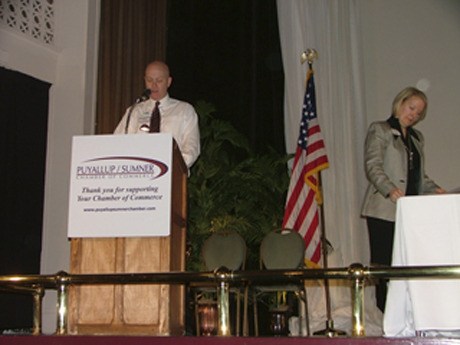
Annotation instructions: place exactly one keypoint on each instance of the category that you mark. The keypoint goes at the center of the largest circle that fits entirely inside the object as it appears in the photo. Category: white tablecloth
(427, 233)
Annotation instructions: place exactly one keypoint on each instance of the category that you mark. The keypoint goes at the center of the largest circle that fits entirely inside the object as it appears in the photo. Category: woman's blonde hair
(404, 95)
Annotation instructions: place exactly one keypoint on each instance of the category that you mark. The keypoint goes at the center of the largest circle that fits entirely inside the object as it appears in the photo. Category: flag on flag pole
(304, 195)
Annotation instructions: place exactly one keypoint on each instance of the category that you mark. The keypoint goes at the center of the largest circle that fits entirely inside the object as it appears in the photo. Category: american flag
(304, 195)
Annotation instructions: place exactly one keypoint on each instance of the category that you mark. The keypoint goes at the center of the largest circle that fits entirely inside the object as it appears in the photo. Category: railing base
(145, 340)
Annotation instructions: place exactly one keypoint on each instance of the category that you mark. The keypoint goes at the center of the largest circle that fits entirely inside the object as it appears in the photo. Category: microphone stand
(145, 96)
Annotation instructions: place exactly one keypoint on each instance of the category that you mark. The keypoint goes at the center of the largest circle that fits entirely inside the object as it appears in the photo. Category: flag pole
(309, 56)
(329, 331)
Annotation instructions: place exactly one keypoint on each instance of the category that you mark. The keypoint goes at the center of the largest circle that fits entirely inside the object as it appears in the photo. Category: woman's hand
(395, 194)
(440, 191)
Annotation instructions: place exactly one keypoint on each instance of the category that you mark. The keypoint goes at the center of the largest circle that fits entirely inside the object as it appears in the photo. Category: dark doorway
(24, 114)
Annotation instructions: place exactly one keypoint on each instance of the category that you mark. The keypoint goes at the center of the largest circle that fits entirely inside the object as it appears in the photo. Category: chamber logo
(122, 167)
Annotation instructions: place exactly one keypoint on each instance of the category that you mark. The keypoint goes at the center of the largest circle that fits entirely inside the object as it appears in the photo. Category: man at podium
(156, 111)
(151, 235)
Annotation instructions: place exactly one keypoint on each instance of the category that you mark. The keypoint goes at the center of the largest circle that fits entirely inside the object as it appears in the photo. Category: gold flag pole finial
(310, 55)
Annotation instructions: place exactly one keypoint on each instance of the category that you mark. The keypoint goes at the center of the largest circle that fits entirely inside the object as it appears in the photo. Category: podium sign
(120, 186)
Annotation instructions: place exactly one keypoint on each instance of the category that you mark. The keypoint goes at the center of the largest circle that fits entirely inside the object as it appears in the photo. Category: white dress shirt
(177, 117)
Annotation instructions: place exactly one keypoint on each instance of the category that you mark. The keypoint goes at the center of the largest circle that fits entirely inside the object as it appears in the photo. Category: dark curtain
(132, 33)
(228, 53)
(24, 112)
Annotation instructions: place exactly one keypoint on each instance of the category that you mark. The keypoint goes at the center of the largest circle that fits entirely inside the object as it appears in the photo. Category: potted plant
(231, 187)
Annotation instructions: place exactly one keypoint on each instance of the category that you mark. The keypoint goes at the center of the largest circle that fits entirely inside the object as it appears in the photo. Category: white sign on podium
(120, 186)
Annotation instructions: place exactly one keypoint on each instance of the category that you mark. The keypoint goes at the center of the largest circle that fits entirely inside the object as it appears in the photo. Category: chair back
(225, 248)
(282, 249)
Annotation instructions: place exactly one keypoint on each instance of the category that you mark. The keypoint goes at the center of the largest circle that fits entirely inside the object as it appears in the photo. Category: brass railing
(357, 274)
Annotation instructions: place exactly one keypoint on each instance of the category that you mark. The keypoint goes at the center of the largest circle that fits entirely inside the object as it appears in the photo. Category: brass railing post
(37, 313)
(223, 304)
(356, 272)
(62, 287)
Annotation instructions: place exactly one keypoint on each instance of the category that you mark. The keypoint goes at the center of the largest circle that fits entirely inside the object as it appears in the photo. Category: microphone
(145, 96)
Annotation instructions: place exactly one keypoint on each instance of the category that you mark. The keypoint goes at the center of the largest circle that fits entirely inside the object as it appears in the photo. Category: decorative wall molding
(33, 18)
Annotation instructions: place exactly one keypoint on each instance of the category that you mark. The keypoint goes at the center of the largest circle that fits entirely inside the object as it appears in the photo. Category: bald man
(176, 117)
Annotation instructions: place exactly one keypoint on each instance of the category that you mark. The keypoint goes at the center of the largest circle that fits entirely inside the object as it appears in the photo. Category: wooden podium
(133, 309)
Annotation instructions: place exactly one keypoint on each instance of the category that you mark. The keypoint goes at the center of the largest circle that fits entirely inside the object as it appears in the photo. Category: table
(427, 233)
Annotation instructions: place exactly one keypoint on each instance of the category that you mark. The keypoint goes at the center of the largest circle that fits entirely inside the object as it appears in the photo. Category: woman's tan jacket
(385, 160)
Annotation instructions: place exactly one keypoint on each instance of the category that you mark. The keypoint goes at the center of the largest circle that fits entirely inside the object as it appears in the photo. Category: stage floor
(139, 340)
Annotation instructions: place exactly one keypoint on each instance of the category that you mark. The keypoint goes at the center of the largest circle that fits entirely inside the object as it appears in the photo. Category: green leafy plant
(231, 187)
